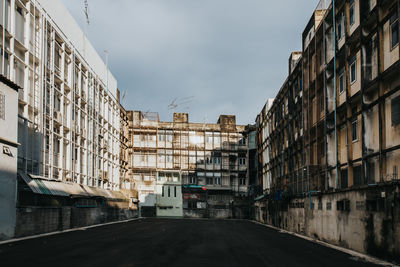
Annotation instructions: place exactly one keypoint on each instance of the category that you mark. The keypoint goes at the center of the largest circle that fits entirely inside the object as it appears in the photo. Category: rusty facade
(299, 127)
(213, 156)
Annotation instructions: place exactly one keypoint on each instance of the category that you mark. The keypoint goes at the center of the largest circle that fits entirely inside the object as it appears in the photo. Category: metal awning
(44, 186)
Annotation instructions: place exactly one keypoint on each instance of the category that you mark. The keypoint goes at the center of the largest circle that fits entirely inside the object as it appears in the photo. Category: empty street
(174, 242)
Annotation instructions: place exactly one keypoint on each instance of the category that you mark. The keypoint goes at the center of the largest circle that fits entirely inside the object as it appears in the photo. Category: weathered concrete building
(68, 120)
(207, 156)
(8, 156)
(334, 169)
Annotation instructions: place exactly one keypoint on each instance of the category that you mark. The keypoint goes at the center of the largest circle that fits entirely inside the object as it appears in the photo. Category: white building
(68, 113)
(8, 157)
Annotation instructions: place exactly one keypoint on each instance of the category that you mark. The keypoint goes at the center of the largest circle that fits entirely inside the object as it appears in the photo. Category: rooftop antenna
(179, 102)
(86, 11)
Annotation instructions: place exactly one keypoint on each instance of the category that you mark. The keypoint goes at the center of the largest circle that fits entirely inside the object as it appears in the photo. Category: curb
(65, 231)
(353, 253)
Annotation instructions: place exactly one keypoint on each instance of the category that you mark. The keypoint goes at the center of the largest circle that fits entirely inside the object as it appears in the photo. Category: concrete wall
(8, 162)
(371, 225)
(38, 220)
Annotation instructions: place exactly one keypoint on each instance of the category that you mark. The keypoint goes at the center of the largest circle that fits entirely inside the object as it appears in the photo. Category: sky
(204, 57)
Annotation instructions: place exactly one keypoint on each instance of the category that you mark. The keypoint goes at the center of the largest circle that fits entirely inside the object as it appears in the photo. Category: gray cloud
(230, 55)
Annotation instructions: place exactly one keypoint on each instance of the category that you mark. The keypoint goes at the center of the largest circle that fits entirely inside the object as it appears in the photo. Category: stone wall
(38, 220)
(366, 220)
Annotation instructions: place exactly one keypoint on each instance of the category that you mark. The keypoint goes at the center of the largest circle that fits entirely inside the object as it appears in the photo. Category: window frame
(393, 23)
(343, 83)
(354, 123)
(352, 19)
(353, 62)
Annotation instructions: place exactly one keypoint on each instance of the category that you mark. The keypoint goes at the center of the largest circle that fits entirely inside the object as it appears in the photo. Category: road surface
(174, 242)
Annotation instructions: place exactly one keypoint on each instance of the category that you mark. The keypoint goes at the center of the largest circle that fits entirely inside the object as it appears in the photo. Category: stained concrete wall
(371, 224)
(8, 161)
(38, 220)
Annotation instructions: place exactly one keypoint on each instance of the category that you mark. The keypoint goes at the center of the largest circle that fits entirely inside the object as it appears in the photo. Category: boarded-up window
(395, 111)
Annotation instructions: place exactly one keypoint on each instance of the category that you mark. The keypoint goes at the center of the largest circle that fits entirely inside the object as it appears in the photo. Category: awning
(44, 187)
(41, 185)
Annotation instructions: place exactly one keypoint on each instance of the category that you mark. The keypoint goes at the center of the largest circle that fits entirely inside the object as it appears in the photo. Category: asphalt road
(169, 242)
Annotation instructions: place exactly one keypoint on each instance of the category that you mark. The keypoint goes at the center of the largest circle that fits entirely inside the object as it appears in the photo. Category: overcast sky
(213, 56)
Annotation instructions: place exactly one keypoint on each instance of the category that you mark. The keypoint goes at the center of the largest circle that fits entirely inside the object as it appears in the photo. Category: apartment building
(330, 141)
(208, 161)
(68, 111)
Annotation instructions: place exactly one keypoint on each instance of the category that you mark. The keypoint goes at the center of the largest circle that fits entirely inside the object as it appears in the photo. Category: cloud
(231, 55)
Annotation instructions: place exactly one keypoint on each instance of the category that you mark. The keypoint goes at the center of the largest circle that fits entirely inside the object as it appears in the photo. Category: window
(217, 160)
(351, 12)
(396, 111)
(2, 106)
(357, 175)
(217, 180)
(161, 137)
(343, 205)
(192, 179)
(341, 82)
(242, 161)
(344, 178)
(328, 206)
(353, 70)
(354, 129)
(340, 27)
(174, 191)
(210, 180)
(394, 29)
(242, 142)
(319, 205)
(169, 191)
(242, 181)
(162, 192)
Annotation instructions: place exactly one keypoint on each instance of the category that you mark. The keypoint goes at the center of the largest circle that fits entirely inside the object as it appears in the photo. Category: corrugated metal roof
(58, 188)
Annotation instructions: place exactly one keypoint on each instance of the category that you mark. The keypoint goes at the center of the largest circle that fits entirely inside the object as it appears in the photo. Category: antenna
(180, 102)
(86, 11)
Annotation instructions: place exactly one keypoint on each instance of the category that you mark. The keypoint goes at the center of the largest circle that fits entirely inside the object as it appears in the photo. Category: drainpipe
(334, 86)
(309, 195)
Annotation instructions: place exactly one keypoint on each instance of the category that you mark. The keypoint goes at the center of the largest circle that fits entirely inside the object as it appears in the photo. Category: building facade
(68, 112)
(332, 144)
(8, 157)
(210, 158)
